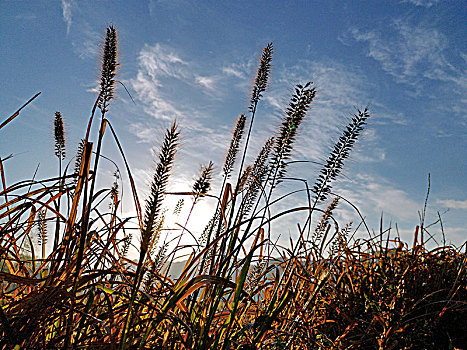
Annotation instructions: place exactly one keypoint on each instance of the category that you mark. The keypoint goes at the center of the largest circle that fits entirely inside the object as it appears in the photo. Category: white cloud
(420, 56)
(148, 92)
(161, 60)
(156, 63)
(144, 133)
(390, 200)
(422, 3)
(385, 116)
(171, 87)
(443, 134)
(67, 16)
(164, 80)
(26, 17)
(86, 48)
(453, 235)
(207, 82)
(410, 53)
(453, 204)
(236, 70)
(377, 155)
(374, 196)
(85, 40)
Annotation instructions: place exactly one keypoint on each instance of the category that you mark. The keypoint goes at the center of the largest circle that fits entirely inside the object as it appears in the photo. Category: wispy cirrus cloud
(67, 14)
(26, 16)
(374, 196)
(170, 87)
(453, 204)
(207, 82)
(234, 71)
(377, 200)
(377, 197)
(163, 79)
(420, 55)
(422, 3)
(163, 73)
(409, 53)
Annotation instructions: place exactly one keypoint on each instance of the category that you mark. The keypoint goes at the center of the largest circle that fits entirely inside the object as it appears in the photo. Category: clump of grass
(237, 288)
(380, 295)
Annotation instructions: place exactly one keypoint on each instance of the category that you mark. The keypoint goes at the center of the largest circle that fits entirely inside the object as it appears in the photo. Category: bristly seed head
(234, 145)
(159, 183)
(59, 134)
(109, 67)
(257, 175)
(262, 76)
(323, 224)
(298, 107)
(42, 228)
(203, 184)
(341, 151)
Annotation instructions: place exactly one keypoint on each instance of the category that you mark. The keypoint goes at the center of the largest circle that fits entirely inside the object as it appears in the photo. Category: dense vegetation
(238, 289)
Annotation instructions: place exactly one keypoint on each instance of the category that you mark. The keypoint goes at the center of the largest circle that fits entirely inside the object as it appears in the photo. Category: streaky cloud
(67, 15)
(453, 204)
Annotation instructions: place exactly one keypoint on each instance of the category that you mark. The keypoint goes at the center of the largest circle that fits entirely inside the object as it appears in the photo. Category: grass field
(238, 289)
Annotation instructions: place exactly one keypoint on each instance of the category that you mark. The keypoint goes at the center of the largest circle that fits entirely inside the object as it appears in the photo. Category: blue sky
(195, 61)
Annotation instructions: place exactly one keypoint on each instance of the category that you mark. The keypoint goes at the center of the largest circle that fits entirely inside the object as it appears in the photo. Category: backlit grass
(239, 289)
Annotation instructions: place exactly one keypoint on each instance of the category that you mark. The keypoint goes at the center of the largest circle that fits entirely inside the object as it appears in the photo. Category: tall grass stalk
(59, 135)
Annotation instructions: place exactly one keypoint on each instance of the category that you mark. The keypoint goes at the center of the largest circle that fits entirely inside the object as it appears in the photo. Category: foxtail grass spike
(341, 151)
(262, 76)
(114, 192)
(178, 207)
(259, 87)
(42, 236)
(126, 245)
(212, 223)
(258, 173)
(298, 107)
(244, 177)
(339, 242)
(153, 206)
(323, 224)
(234, 145)
(59, 135)
(78, 158)
(160, 181)
(109, 67)
(203, 184)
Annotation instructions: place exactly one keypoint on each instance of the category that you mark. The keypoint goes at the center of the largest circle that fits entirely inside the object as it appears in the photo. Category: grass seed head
(59, 135)
(203, 184)
(262, 76)
(234, 145)
(109, 68)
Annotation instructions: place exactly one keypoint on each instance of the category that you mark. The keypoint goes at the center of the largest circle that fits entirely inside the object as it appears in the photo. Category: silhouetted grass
(237, 289)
